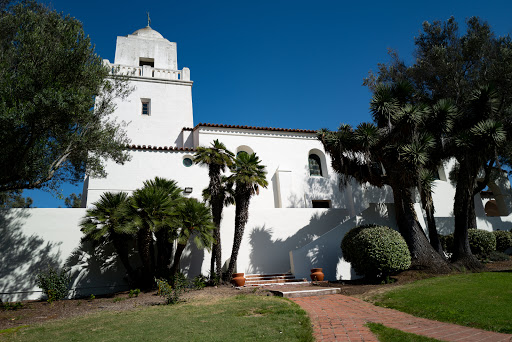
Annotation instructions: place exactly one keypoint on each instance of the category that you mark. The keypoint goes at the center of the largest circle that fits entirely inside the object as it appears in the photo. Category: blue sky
(290, 64)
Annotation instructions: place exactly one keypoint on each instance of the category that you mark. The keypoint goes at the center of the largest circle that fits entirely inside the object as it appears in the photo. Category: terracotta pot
(238, 279)
(316, 274)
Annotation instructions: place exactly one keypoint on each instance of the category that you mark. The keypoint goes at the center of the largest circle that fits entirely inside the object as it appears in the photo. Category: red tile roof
(163, 148)
(254, 127)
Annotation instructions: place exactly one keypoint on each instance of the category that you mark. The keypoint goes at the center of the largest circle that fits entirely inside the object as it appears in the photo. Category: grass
(385, 334)
(479, 300)
(240, 318)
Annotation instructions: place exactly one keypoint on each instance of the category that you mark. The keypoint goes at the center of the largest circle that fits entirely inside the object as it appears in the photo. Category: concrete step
(275, 281)
(306, 292)
(273, 278)
(272, 275)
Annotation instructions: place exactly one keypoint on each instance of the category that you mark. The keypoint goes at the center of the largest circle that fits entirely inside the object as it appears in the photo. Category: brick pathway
(342, 318)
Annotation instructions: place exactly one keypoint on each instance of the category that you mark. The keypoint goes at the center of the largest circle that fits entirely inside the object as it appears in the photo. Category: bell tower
(160, 105)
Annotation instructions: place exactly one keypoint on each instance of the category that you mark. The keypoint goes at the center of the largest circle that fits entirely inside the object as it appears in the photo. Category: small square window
(146, 106)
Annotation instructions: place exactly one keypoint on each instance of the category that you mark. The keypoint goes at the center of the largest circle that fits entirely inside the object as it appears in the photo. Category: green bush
(375, 251)
(199, 282)
(503, 240)
(54, 283)
(481, 242)
(134, 293)
(172, 294)
(498, 256)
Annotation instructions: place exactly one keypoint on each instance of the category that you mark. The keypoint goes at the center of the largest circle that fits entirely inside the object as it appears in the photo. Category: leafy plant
(11, 306)
(481, 242)
(134, 293)
(375, 251)
(54, 282)
(172, 294)
(199, 282)
(503, 240)
(498, 256)
(92, 297)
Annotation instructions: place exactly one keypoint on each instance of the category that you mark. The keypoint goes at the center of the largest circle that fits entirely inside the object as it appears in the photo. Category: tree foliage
(73, 201)
(50, 80)
(156, 215)
(392, 150)
(14, 199)
(474, 70)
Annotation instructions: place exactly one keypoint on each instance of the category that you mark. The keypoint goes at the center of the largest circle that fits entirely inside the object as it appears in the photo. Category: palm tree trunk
(217, 203)
(177, 257)
(164, 252)
(145, 242)
(463, 208)
(428, 206)
(119, 242)
(241, 217)
(422, 253)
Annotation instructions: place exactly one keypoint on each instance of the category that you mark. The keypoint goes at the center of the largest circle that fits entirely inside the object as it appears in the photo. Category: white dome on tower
(147, 32)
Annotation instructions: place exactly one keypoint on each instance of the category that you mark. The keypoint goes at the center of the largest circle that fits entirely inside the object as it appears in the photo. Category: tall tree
(194, 221)
(248, 176)
(390, 151)
(167, 234)
(473, 69)
(217, 157)
(73, 201)
(108, 221)
(14, 199)
(151, 209)
(50, 81)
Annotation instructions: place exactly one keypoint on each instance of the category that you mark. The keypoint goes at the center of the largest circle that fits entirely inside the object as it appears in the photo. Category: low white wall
(270, 235)
(34, 238)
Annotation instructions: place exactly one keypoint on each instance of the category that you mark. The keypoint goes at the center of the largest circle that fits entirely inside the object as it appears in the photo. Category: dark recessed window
(146, 106)
(187, 162)
(315, 165)
(147, 61)
(321, 204)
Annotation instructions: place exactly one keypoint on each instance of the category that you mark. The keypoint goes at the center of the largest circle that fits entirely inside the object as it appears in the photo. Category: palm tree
(217, 157)
(151, 209)
(479, 139)
(195, 220)
(166, 235)
(390, 152)
(248, 176)
(108, 221)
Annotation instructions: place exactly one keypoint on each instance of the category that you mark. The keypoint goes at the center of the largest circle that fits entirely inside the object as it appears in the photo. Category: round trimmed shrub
(375, 251)
(503, 240)
(481, 242)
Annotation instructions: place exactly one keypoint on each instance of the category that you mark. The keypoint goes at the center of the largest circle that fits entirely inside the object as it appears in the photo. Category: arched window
(315, 165)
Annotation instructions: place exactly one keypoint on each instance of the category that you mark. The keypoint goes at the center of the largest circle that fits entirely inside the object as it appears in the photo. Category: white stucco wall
(285, 155)
(145, 165)
(130, 48)
(32, 239)
(170, 111)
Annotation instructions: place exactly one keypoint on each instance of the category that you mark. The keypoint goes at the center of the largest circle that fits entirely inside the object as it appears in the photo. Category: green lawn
(480, 300)
(385, 334)
(240, 318)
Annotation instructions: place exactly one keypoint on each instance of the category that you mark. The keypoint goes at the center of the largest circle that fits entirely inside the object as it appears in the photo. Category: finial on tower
(149, 19)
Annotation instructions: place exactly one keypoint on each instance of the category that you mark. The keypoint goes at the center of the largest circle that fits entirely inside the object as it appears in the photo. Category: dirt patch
(40, 311)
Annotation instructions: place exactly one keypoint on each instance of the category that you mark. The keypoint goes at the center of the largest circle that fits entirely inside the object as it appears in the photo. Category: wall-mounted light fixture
(188, 190)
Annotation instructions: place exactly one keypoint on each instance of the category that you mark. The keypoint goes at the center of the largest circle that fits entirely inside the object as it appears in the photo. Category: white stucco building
(295, 224)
